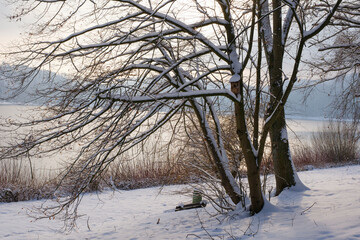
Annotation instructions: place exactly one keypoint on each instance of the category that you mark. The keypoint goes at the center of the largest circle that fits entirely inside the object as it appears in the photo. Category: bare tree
(279, 45)
(339, 56)
(134, 65)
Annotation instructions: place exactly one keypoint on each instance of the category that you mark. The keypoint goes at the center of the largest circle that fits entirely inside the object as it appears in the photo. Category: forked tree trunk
(251, 158)
(252, 161)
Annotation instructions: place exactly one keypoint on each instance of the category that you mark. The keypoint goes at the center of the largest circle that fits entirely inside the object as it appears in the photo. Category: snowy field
(330, 210)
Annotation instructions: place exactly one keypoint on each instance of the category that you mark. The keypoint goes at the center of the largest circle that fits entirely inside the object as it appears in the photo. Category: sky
(9, 30)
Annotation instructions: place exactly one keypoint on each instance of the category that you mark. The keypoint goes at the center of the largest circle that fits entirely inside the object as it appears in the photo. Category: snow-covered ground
(329, 210)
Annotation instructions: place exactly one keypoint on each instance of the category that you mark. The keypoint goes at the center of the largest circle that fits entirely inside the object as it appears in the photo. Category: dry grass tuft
(335, 144)
(19, 183)
(148, 173)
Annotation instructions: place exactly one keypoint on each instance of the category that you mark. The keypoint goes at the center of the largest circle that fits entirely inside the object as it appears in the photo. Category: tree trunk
(283, 168)
(251, 158)
(252, 161)
(253, 174)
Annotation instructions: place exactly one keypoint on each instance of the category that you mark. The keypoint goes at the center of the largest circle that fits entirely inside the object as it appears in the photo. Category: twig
(292, 220)
(315, 223)
(192, 234)
(307, 209)
(202, 226)
(87, 223)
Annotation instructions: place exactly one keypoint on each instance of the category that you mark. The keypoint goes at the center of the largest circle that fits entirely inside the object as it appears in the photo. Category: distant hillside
(313, 103)
(316, 104)
(29, 96)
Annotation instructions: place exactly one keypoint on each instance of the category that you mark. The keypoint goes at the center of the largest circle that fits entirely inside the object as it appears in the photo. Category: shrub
(19, 183)
(133, 174)
(336, 143)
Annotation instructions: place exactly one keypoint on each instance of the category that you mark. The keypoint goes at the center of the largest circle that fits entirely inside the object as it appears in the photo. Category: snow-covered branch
(172, 95)
(341, 46)
(315, 30)
(198, 35)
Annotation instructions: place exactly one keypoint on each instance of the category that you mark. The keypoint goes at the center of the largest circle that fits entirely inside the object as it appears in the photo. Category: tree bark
(257, 200)
(253, 175)
(283, 167)
(252, 160)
